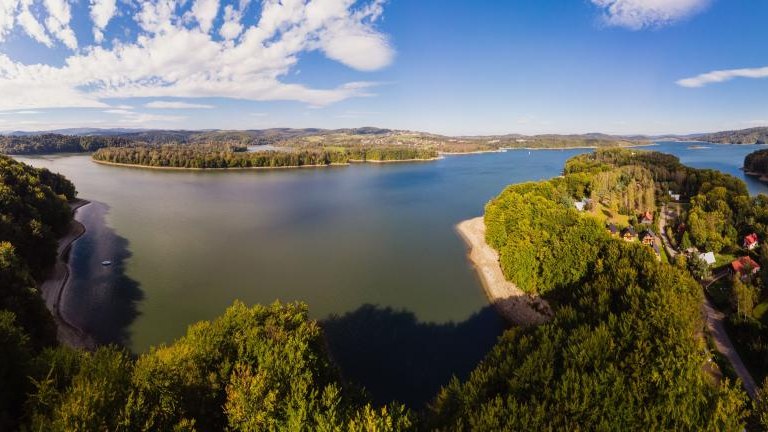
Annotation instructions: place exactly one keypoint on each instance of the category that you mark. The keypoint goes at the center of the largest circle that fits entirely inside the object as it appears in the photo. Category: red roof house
(646, 218)
(745, 267)
(751, 241)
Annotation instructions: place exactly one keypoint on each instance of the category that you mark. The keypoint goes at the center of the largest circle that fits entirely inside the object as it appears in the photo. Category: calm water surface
(349, 241)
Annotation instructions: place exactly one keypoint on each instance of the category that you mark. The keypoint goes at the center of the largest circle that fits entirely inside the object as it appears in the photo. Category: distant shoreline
(511, 302)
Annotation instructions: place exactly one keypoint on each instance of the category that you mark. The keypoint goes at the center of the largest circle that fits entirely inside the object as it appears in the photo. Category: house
(751, 242)
(675, 196)
(612, 230)
(708, 258)
(648, 237)
(628, 234)
(646, 218)
(745, 267)
(582, 205)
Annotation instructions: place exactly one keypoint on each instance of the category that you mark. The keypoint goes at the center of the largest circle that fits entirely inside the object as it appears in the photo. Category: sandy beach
(53, 288)
(512, 303)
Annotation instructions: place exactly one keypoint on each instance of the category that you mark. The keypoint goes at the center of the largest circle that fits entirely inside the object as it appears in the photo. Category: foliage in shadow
(397, 358)
(100, 300)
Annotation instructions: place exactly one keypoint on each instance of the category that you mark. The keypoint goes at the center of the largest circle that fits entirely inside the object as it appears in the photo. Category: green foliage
(253, 369)
(618, 355)
(698, 268)
(217, 156)
(15, 355)
(542, 241)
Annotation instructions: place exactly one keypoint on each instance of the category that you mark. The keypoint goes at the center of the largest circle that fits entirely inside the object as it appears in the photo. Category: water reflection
(101, 300)
(395, 357)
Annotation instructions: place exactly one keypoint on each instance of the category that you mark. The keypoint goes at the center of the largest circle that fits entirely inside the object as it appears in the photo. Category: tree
(698, 267)
(685, 243)
(743, 297)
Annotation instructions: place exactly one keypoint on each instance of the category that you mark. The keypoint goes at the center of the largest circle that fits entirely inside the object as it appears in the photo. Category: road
(715, 322)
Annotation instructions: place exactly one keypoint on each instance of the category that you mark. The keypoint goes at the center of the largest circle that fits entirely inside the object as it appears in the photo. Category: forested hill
(301, 139)
(758, 135)
(757, 163)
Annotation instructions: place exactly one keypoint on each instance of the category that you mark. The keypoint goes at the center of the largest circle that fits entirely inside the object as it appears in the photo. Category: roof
(648, 215)
(647, 233)
(740, 264)
(708, 257)
(751, 239)
(628, 230)
(612, 228)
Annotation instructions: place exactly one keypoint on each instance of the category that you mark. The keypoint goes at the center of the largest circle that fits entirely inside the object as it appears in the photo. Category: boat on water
(106, 263)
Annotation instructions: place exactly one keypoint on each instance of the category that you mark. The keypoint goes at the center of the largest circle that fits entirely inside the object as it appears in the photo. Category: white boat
(106, 263)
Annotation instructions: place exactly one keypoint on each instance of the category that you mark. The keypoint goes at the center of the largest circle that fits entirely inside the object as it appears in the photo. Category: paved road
(715, 324)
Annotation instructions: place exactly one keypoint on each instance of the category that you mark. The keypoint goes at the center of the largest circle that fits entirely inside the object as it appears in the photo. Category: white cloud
(719, 76)
(31, 25)
(57, 23)
(176, 105)
(639, 14)
(102, 12)
(8, 10)
(205, 12)
(174, 57)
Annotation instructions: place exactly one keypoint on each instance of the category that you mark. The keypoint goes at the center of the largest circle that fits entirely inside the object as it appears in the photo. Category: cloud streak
(720, 76)
(176, 105)
(179, 53)
(640, 14)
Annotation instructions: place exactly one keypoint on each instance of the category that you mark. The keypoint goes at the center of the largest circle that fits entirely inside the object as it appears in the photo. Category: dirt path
(512, 303)
(53, 288)
(715, 325)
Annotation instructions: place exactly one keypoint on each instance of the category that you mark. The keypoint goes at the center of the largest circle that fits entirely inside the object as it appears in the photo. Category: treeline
(55, 143)
(757, 162)
(212, 156)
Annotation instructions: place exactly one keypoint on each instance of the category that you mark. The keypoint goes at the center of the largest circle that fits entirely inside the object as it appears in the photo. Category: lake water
(372, 244)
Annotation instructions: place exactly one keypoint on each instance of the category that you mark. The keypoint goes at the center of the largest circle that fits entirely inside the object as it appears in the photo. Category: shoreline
(52, 288)
(168, 168)
(514, 305)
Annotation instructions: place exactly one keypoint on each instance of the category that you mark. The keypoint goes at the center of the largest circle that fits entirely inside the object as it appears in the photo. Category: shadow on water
(397, 358)
(101, 300)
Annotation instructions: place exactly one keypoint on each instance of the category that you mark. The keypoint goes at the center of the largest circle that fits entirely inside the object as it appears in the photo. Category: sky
(455, 67)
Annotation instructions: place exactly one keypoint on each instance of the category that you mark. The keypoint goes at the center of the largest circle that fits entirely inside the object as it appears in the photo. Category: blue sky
(444, 66)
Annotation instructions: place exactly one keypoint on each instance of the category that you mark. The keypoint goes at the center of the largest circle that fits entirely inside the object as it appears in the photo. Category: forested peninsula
(623, 350)
(756, 164)
(221, 157)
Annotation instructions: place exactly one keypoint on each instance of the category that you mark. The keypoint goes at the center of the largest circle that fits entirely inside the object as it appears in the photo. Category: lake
(372, 245)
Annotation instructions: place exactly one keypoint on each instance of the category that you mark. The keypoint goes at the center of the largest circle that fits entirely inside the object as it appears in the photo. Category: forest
(217, 156)
(624, 350)
(757, 163)
(56, 143)
(757, 135)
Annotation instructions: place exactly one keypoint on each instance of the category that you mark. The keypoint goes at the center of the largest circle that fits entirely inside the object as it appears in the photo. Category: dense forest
(55, 143)
(214, 156)
(757, 163)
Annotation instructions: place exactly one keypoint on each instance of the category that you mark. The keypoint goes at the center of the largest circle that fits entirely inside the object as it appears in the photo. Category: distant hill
(757, 135)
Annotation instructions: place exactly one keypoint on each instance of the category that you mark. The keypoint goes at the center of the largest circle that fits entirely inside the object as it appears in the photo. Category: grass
(723, 259)
(606, 215)
(760, 312)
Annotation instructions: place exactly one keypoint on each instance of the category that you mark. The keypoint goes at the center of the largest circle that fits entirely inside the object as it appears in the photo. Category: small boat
(106, 263)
